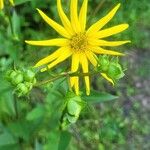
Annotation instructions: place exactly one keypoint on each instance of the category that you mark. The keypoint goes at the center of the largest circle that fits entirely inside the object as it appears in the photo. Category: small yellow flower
(2, 3)
(78, 42)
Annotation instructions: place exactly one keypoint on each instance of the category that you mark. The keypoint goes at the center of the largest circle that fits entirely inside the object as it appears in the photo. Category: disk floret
(79, 42)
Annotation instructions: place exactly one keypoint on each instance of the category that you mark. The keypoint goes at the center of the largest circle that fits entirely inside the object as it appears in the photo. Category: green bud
(103, 63)
(21, 89)
(73, 104)
(13, 74)
(7, 75)
(72, 119)
(74, 108)
(18, 78)
(29, 75)
(115, 71)
(28, 85)
(65, 122)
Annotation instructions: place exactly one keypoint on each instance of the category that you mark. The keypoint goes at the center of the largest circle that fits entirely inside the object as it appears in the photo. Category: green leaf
(19, 2)
(64, 141)
(16, 24)
(36, 113)
(6, 138)
(6, 98)
(53, 140)
(97, 97)
(21, 129)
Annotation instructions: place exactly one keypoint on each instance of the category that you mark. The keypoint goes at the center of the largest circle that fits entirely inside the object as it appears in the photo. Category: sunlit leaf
(98, 97)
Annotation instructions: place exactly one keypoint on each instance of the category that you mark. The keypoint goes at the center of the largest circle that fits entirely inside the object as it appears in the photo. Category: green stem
(8, 13)
(16, 107)
(10, 22)
(65, 74)
(98, 7)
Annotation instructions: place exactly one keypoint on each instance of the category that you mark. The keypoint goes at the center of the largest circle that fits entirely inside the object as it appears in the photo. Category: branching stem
(65, 74)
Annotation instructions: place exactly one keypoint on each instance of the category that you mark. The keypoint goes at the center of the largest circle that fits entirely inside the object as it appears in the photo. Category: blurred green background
(121, 124)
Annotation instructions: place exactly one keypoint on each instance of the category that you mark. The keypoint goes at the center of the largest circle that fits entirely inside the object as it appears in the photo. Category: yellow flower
(78, 42)
(2, 3)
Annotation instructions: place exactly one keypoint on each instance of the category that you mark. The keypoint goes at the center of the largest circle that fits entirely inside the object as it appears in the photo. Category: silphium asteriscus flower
(79, 42)
(2, 3)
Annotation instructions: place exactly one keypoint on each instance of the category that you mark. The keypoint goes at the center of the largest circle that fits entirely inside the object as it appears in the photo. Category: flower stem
(65, 74)
(16, 107)
(9, 14)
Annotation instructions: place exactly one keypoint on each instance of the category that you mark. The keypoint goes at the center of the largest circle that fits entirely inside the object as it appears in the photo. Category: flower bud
(7, 75)
(18, 78)
(29, 75)
(115, 71)
(72, 119)
(28, 85)
(13, 74)
(21, 89)
(103, 63)
(64, 123)
(74, 108)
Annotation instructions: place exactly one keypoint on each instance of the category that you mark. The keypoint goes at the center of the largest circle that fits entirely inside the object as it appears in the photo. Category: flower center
(79, 42)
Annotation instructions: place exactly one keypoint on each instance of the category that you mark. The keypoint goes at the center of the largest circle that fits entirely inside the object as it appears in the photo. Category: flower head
(80, 43)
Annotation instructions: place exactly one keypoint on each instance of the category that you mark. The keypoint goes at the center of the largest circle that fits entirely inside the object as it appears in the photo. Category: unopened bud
(13, 74)
(103, 63)
(22, 80)
(29, 75)
(71, 119)
(74, 108)
(115, 71)
(22, 89)
(18, 78)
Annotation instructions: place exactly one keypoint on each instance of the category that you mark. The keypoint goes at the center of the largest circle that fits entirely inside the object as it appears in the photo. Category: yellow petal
(107, 78)
(51, 57)
(64, 18)
(91, 57)
(84, 64)
(75, 62)
(107, 43)
(1, 4)
(52, 42)
(61, 30)
(74, 16)
(64, 55)
(99, 24)
(99, 50)
(72, 79)
(82, 15)
(74, 67)
(111, 31)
